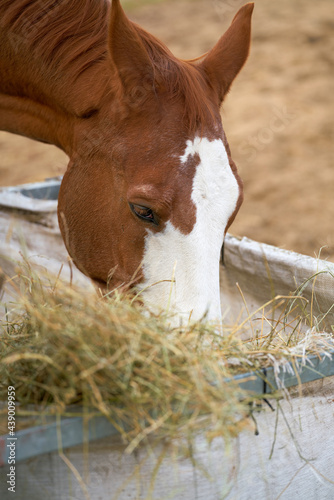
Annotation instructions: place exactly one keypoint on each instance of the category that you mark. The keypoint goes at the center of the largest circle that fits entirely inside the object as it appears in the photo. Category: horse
(151, 188)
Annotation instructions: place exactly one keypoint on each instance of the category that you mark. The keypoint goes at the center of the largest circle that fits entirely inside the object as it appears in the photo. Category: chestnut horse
(151, 187)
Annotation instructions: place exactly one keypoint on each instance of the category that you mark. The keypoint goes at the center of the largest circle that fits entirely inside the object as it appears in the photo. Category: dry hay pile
(69, 349)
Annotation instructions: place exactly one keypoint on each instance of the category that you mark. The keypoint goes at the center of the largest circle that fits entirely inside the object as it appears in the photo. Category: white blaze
(193, 259)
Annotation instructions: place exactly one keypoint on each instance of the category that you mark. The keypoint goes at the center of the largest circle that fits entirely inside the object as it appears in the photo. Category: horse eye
(144, 213)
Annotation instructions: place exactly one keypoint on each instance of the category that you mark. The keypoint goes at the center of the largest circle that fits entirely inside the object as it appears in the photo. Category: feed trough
(290, 455)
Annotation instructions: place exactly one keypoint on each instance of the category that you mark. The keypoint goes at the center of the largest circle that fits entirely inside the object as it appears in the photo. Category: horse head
(151, 187)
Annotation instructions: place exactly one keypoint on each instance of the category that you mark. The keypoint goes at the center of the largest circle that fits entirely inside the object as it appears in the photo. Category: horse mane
(71, 37)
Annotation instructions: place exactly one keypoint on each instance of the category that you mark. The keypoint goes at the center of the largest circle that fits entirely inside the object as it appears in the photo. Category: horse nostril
(222, 254)
(89, 113)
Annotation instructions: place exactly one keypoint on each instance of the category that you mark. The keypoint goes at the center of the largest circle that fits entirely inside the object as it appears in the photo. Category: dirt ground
(278, 117)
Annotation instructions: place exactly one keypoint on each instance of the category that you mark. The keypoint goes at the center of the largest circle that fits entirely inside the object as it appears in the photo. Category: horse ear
(225, 60)
(129, 57)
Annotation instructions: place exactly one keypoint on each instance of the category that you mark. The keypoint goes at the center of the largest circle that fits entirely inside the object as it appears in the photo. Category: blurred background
(278, 116)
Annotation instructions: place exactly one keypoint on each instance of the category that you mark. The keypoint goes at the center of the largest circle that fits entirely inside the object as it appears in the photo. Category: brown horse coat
(151, 188)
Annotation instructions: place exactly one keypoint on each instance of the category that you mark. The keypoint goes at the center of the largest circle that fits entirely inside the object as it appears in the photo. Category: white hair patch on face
(193, 259)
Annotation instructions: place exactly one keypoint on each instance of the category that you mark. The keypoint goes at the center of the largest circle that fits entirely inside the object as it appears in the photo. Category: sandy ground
(278, 116)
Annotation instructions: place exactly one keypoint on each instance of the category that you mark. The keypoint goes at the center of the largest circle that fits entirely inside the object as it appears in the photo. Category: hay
(70, 348)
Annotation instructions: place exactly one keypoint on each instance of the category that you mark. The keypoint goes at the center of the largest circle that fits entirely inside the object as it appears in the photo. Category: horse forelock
(180, 81)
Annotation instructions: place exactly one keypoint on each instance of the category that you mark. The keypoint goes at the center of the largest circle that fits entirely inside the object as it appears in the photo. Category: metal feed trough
(291, 458)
